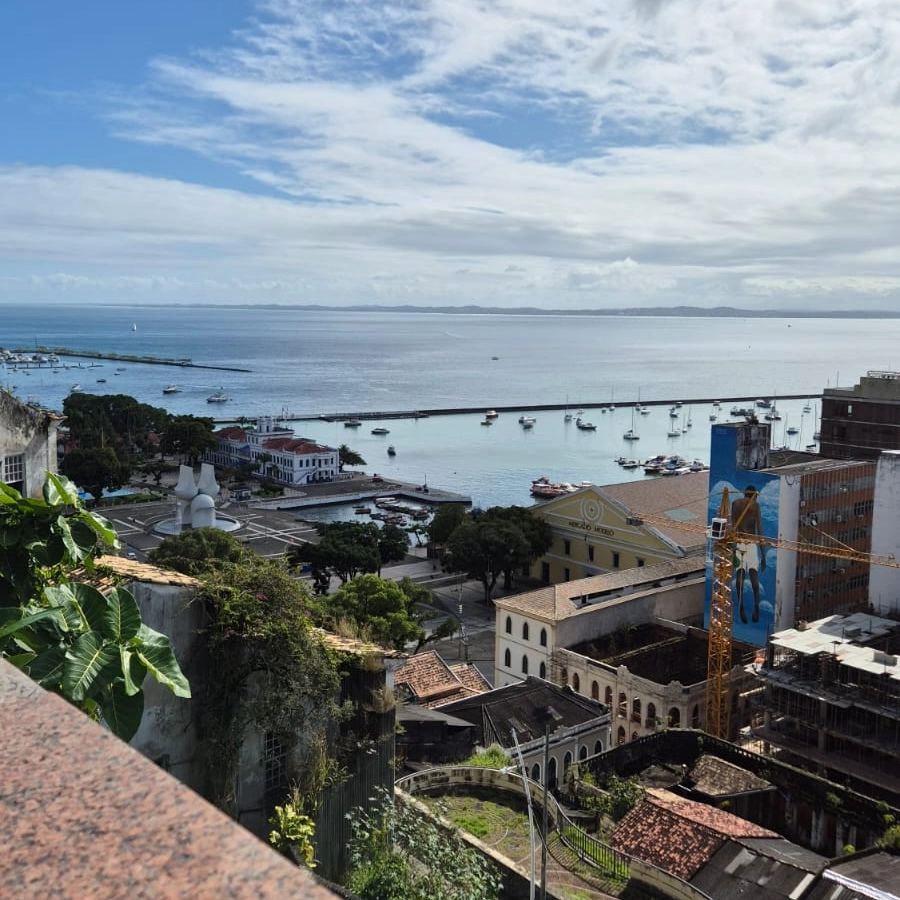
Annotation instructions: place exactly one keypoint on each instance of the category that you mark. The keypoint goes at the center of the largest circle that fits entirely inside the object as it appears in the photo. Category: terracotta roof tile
(679, 836)
(432, 682)
(145, 572)
(295, 445)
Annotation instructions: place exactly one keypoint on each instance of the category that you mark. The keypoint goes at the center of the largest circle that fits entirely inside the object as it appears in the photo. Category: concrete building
(600, 529)
(830, 699)
(27, 444)
(276, 453)
(546, 718)
(860, 422)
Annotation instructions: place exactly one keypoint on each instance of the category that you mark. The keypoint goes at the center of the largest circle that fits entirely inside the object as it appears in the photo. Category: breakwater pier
(49, 358)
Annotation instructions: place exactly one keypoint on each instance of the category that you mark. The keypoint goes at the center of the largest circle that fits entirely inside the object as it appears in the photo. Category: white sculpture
(196, 505)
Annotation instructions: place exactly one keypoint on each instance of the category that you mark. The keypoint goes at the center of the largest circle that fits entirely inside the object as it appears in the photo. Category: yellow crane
(725, 534)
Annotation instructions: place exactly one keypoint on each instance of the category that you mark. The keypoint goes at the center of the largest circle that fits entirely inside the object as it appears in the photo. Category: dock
(111, 357)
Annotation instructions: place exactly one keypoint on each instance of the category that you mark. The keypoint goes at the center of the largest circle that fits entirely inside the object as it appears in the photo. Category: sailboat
(134, 326)
(631, 434)
(568, 416)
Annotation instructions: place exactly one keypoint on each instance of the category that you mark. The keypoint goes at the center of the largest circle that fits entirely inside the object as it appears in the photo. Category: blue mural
(753, 503)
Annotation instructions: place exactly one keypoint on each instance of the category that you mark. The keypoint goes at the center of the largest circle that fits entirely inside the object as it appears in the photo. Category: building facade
(600, 529)
(27, 445)
(275, 453)
(860, 422)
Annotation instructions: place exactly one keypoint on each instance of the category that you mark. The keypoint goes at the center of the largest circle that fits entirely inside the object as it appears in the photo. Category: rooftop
(431, 682)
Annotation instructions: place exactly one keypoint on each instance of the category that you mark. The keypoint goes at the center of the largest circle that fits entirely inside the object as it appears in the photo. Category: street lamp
(550, 717)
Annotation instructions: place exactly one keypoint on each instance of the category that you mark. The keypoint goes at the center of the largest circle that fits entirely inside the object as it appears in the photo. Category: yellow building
(600, 529)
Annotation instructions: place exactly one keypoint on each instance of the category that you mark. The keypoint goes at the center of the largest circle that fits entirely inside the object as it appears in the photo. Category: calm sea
(303, 362)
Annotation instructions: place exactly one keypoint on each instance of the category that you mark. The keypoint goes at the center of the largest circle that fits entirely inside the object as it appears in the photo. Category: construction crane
(725, 535)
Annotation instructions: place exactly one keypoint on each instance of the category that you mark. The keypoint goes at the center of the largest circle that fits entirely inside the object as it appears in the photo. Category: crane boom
(725, 535)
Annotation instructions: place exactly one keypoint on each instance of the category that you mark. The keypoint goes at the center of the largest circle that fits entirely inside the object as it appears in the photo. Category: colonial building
(275, 452)
(27, 444)
(600, 529)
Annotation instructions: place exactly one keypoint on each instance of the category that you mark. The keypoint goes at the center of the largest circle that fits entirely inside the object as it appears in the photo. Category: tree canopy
(196, 551)
(447, 518)
(348, 457)
(85, 644)
(96, 469)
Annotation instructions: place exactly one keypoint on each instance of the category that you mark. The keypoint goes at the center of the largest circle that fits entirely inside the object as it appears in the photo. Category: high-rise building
(860, 422)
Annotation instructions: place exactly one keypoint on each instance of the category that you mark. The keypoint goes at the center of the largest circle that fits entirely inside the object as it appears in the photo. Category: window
(524, 631)
(536, 772)
(636, 711)
(595, 691)
(545, 572)
(582, 752)
(576, 682)
(591, 552)
(275, 759)
(508, 625)
(615, 563)
(524, 665)
(640, 562)
(695, 717)
(566, 576)
(607, 697)
(623, 706)
(598, 747)
(651, 715)
(567, 547)
(543, 637)
(14, 471)
(620, 735)
(507, 657)
(543, 670)
(674, 717)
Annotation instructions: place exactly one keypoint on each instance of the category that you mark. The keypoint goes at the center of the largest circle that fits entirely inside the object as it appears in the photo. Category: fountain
(195, 504)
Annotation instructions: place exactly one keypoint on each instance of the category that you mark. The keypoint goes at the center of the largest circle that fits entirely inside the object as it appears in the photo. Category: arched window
(564, 676)
(598, 747)
(620, 735)
(543, 637)
(524, 665)
(524, 631)
(551, 773)
(636, 710)
(543, 670)
(674, 717)
(595, 691)
(536, 772)
(582, 752)
(567, 761)
(608, 697)
(651, 715)
(634, 735)
(576, 682)
(623, 706)
(507, 658)
(695, 716)
(508, 625)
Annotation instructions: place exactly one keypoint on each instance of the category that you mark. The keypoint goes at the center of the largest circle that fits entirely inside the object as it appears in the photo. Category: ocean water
(308, 362)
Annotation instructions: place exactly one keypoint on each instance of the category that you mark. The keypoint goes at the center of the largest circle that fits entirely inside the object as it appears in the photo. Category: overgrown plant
(397, 853)
(73, 639)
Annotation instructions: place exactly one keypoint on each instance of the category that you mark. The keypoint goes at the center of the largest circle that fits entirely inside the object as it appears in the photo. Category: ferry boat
(218, 397)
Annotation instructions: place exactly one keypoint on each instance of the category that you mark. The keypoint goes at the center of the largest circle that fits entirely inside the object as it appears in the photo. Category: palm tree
(348, 457)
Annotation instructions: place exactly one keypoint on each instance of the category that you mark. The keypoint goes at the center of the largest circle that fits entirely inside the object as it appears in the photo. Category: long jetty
(370, 416)
(112, 357)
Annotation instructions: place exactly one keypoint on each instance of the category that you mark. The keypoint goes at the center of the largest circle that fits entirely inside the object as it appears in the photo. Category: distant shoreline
(696, 312)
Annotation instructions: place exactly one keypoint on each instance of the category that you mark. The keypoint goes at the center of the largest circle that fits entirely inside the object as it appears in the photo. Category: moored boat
(491, 414)
(381, 430)
(218, 397)
(170, 389)
(391, 451)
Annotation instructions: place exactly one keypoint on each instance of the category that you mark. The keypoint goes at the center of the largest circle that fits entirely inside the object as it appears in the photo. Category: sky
(504, 153)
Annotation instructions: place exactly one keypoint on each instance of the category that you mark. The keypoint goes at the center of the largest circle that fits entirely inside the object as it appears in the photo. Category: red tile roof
(679, 836)
(294, 445)
(431, 682)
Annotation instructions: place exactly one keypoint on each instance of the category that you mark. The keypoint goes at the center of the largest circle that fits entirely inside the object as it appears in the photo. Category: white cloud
(517, 152)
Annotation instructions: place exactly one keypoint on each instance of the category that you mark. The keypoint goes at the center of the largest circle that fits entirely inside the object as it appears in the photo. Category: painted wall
(884, 581)
(737, 453)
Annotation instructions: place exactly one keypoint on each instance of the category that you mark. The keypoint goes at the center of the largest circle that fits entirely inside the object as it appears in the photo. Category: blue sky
(440, 152)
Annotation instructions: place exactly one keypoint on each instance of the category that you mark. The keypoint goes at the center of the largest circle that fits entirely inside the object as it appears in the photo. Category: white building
(27, 445)
(276, 453)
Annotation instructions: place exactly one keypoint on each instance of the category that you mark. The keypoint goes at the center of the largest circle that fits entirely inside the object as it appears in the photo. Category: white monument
(196, 504)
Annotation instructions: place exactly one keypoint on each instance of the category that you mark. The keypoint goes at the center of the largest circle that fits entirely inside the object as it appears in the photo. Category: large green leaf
(87, 664)
(155, 652)
(59, 491)
(133, 671)
(22, 622)
(115, 615)
(122, 712)
(47, 667)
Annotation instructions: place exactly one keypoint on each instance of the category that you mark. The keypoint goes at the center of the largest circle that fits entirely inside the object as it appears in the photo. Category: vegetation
(447, 518)
(620, 797)
(196, 551)
(493, 757)
(384, 612)
(96, 470)
(488, 544)
(293, 830)
(89, 646)
(348, 457)
(399, 854)
(890, 840)
(348, 549)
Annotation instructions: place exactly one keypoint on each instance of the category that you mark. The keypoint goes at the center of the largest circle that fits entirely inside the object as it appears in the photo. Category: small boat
(218, 397)
(811, 448)
(523, 419)
(630, 435)
(621, 460)
(644, 410)
(528, 423)
(675, 432)
(807, 408)
(487, 421)
(134, 326)
(792, 429)
(716, 404)
(673, 413)
(764, 404)
(381, 430)
(585, 426)
(352, 423)
(75, 389)
(391, 451)
(630, 464)
(491, 414)
(713, 417)
(170, 389)
(101, 381)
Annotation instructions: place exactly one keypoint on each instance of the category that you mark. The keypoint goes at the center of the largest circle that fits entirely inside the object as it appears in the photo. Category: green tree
(156, 468)
(447, 518)
(197, 551)
(188, 437)
(386, 612)
(484, 548)
(112, 420)
(89, 646)
(397, 853)
(96, 470)
(348, 457)
(345, 549)
(536, 531)
(622, 795)
(393, 544)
